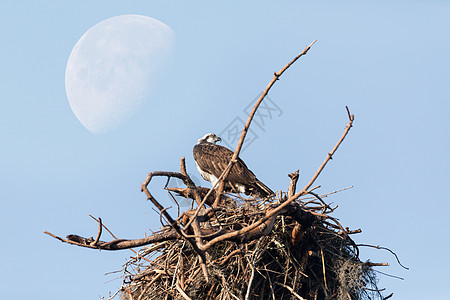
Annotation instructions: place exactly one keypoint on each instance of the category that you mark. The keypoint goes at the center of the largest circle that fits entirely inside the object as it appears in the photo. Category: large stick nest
(314, 259)
(284, 247)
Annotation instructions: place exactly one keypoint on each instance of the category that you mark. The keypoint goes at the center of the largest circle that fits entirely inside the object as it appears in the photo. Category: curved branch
(387, 249)
(154, 201)
(99, 232)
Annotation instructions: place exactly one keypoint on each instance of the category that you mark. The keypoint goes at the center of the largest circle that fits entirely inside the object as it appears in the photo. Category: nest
(313, 260)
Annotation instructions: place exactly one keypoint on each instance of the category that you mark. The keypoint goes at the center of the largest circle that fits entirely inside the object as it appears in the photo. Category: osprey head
(209, 138)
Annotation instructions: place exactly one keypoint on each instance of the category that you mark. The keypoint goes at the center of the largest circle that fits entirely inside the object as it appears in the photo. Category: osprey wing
(211, 158)
(214, 159)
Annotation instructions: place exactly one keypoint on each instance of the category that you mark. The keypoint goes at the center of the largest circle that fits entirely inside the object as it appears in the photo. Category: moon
(113, 67)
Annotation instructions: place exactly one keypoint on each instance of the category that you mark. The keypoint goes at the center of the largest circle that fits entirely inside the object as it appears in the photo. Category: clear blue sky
(387, 60)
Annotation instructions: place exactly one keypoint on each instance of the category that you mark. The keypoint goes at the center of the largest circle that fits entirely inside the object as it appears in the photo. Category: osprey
(212, 159)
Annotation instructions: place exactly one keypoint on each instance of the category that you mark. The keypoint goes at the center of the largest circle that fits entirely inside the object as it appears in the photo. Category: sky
(386, 60)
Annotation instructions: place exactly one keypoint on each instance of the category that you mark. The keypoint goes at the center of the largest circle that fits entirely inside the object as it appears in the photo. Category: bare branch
(276, 76)
(387, 249)
(293, 184)
(117, 244)
(189, 183)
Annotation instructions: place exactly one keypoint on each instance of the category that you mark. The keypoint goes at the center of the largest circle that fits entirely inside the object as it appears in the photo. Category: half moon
(113, 67)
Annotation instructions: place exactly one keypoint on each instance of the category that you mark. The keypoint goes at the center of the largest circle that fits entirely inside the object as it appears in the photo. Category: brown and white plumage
(212, 159)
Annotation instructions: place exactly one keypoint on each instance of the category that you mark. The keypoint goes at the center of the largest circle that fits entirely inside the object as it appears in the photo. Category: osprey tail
(262, 190)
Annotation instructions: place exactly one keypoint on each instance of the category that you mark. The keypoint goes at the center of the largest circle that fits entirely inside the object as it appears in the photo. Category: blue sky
(387, 61)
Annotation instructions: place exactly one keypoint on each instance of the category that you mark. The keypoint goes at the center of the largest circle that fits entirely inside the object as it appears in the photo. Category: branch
(155, 202)
(99, 232)
(188, 181)
(387, 249)
(293, 184)
(117, 244)
(276, 76)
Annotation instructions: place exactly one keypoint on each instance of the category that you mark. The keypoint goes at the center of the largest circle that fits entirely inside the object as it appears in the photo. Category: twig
(249, 287)
(106, 228)
(291, 290)
(323, 202)
(155, 202)
(148, 286)
(323, 270)
(371, 264)
(115, 294)
(387, 249)
(183, 294)
(389, 275)
(99, 232)
(188, 181)
(227, 258)
(293, 184)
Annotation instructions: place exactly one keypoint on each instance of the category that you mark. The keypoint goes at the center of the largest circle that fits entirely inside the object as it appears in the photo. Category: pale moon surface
(112, 68)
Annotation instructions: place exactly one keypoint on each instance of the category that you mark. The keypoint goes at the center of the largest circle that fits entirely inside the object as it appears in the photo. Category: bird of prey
(212, 159)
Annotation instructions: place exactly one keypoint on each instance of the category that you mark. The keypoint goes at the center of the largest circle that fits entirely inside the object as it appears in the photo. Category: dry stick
(149, 285)
(99, 232)
(276, 76)
(115, 236)
(199, 244)
(291, 290)
(371, 264)
(115, 294)
(189, 183)
(327, 194)
(181, 267)
(323, 270)
(276, 210)
(323, 203)
(384, 248)
(180, 290)
(178, 264)
(293, 184)
(247, 295)
(103, 225)
(156, 203)
(227, 258)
